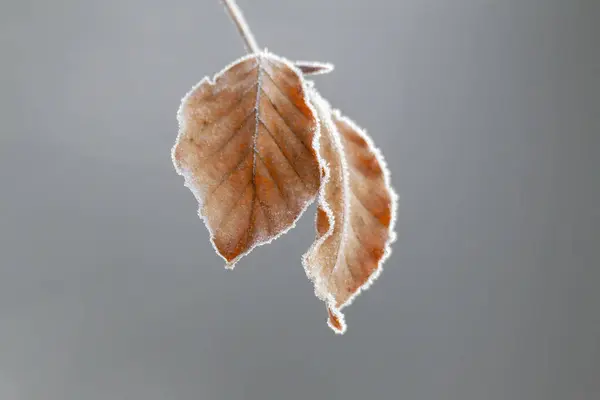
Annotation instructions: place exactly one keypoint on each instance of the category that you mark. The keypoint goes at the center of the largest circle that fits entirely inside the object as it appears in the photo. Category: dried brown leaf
(355, 215)
(247, 150)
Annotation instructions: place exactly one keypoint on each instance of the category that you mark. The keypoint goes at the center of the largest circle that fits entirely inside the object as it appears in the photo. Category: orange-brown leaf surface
(246, 148)
(355, 215)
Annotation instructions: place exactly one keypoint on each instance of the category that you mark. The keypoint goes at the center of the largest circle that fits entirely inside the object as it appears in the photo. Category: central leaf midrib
(257, 115)
(251, 219)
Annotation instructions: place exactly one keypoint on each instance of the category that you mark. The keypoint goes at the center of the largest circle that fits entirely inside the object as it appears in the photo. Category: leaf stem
(308, 68)
(240, 22)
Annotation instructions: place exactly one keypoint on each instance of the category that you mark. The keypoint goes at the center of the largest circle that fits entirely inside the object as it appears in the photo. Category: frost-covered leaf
(246, 148)
(355, 215)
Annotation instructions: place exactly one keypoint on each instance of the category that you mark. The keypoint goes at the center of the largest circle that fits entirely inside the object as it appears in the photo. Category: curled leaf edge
(330, 114)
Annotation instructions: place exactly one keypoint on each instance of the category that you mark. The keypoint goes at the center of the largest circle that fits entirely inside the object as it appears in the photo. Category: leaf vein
(282, 152)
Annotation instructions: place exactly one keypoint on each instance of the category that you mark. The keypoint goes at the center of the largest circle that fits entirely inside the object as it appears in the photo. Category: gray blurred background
(488, 113)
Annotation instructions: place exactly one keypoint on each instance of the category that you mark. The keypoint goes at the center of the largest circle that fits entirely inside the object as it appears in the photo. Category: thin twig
(238, 18)
(308, 68)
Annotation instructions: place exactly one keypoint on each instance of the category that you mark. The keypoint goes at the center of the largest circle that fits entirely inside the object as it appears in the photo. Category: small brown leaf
(246, 151)
(355, 216)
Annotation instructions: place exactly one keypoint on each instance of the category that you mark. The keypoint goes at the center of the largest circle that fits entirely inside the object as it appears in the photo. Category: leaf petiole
(307, 68)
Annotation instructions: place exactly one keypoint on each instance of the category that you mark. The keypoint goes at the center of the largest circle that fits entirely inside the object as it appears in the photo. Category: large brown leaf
(246, 148)
(355, 215)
